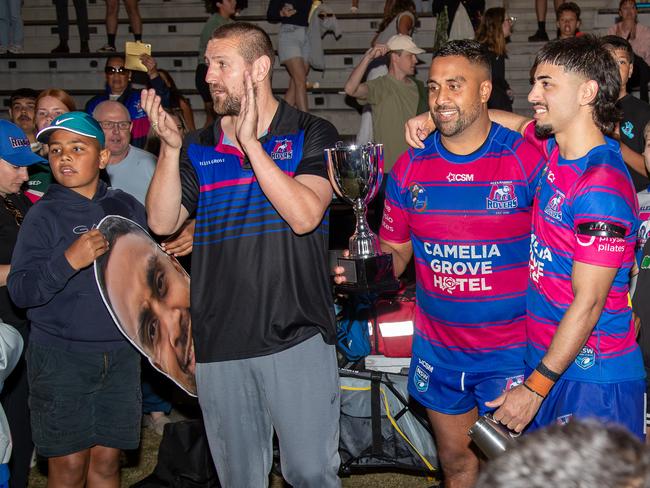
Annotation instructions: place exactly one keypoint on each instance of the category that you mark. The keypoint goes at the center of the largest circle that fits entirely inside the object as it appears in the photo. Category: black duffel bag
(184, 459)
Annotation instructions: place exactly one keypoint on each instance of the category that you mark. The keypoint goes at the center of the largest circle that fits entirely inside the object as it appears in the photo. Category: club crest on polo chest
(282, 149)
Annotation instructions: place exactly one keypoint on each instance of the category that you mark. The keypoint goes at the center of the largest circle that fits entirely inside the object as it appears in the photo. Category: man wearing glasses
(130, 169)
(118, 88)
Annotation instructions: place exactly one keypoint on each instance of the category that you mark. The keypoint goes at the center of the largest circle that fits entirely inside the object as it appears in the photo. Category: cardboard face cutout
(147, 292)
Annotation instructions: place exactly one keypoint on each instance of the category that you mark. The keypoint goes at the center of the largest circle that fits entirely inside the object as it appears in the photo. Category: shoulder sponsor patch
(418, 197)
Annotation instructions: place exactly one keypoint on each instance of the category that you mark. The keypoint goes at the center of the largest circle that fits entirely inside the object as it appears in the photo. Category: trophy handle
(374, 152)
(332, 175)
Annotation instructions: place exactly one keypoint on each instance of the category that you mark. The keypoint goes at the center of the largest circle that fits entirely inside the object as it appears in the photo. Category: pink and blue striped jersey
(468, 218)
(575, 199)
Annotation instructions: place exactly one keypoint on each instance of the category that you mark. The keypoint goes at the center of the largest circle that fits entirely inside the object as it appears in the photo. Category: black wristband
(547, 373)
(530, 389)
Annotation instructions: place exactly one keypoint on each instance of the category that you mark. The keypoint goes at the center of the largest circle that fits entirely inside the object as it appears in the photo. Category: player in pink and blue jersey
(582, 359)
(461, 206)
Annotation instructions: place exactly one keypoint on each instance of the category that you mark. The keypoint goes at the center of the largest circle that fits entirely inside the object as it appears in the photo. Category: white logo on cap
(59, 122)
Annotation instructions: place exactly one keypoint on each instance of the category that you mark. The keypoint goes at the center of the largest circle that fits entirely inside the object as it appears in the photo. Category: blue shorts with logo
(617, 403)
(457, 392)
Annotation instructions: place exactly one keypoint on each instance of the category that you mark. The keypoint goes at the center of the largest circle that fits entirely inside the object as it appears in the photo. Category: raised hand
(162, 124)
(246, 124)
(377, 51)
(151, 65)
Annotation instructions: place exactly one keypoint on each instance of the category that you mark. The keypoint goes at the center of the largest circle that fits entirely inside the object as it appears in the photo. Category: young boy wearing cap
(84, 377)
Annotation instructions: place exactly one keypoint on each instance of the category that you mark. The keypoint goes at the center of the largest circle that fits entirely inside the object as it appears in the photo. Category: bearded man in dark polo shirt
(261, 305)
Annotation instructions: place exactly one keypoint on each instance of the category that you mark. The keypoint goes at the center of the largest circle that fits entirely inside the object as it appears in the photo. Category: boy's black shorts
(79, 400)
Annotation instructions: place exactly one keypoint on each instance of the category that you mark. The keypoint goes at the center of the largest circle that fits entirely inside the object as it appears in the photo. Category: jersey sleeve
(532, 162)
(604, 216)
(541, 144)
(394, 224)
(319, 135)
(189, 180)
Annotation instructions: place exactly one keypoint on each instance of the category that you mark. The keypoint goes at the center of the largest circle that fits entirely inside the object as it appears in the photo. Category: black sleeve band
(601, 229)
(544, 371)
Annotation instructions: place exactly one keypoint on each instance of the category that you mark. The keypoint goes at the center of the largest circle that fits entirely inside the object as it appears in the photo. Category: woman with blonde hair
(493, 33)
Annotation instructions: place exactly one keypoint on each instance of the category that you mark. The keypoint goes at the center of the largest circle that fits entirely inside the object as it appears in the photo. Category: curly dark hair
(586, 56)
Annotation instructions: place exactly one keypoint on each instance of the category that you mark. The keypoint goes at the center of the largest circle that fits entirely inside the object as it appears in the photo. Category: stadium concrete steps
(172, 27)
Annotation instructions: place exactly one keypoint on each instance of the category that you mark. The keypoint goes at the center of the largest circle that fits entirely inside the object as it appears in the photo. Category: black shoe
(84, 48)
(539, 36)
(62, 48)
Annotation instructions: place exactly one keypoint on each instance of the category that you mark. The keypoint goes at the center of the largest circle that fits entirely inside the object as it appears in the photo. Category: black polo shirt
(636, 114)
(257, 287)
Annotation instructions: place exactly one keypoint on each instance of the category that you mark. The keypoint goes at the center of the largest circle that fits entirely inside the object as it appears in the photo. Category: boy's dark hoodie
(64, 305)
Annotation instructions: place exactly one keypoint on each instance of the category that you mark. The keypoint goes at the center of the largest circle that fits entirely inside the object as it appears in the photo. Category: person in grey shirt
(129, 168)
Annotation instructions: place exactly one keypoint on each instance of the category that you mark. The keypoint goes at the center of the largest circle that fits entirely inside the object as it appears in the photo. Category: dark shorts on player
(618, 403)
(457, 392)
(79, 400)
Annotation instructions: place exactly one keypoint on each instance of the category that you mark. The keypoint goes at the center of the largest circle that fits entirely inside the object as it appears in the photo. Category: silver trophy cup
(355, 173)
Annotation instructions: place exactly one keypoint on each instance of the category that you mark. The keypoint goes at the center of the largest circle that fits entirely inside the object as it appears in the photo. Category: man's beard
(231, 105)
(464, 120)
(543, 131)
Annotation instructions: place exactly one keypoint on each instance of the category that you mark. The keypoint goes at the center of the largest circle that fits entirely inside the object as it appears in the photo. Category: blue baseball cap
(15, 147)
(77, 122)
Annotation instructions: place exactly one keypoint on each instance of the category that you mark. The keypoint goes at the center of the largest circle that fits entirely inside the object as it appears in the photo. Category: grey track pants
(296, 392)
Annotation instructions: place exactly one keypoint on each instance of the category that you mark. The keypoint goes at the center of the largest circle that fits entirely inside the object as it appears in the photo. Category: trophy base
(363, 275)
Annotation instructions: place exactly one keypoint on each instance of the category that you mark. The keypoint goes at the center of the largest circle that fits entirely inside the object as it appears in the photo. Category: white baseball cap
(401, 42)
